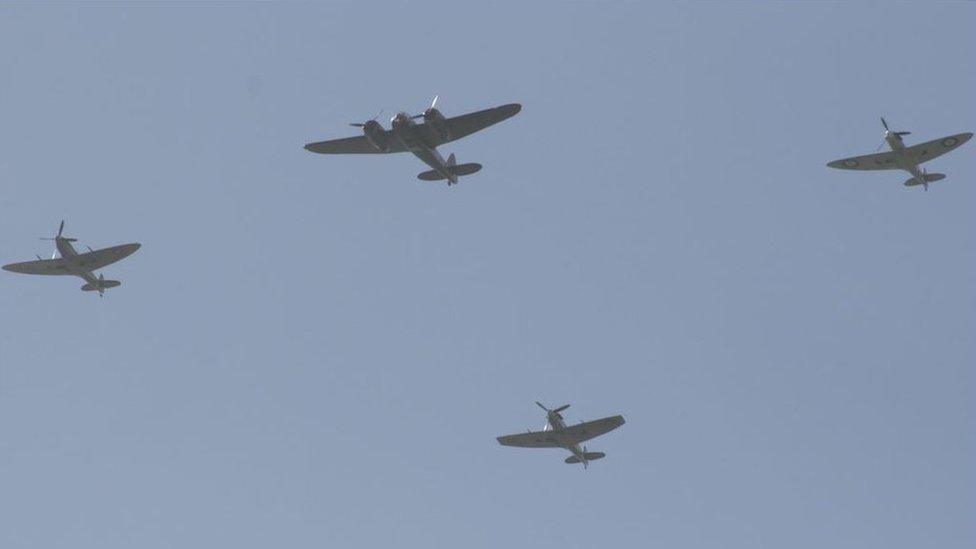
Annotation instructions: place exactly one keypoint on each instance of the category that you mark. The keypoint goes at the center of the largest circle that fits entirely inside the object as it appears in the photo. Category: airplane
(75, 264)
(555, 434)
(420, 139)
(905, 158)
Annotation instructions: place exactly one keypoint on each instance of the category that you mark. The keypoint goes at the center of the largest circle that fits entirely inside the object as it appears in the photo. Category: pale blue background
(316, 351)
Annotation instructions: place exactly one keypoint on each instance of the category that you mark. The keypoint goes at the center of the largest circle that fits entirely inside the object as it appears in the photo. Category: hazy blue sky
(314, 352)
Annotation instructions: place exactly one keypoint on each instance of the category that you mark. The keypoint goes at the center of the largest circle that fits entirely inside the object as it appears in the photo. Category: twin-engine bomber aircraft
(76, 264)
(555, 434)
(905, 158)
(420, 139)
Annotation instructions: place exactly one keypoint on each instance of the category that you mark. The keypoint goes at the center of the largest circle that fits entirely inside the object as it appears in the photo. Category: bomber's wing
(532, 439)
(878, 161)
(57, 266)
(353, 145)
(106, 256)
(467, 124)
(591, 429)
(923, 152)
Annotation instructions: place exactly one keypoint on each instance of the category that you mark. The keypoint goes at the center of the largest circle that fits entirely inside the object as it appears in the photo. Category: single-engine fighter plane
(420, 139)
(905, 158)
(555, 434)
(73, 263)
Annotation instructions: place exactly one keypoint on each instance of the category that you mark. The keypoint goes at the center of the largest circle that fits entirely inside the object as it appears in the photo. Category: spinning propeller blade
(362, 124)
(888, 130)
(54, 254)
(60, 230)
(557, 410)
(433, 104)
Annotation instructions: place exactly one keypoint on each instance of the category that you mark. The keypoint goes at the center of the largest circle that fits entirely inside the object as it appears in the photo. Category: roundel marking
(850, 163)
(949, 142)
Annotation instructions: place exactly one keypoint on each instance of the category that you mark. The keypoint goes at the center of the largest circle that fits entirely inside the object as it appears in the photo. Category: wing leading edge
(532, 439)
(582, 432)
(106, 256)
(572, 434)
(878, 161)
(467, 124)
(354, 145)
(923, 152)
(57, 266)
(89, 261)
(458, 127)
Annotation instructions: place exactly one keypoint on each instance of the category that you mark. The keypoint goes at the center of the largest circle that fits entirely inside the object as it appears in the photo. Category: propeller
(433, 104)
(557, 410)
(887, 133)
(60, 230)
(54, 254)
(549, 413)
(363, 124)
(888, 130)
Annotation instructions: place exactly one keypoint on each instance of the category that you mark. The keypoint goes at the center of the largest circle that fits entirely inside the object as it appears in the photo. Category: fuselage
(405, 130)
(902, 160)
(556, 424)
(76, 268)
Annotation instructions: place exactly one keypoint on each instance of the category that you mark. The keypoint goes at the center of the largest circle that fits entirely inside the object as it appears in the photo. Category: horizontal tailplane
(100, 285)
(460, 169)
(929, 177)
(590, 456)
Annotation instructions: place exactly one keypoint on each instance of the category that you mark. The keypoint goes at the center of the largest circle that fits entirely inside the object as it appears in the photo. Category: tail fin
(457, 169)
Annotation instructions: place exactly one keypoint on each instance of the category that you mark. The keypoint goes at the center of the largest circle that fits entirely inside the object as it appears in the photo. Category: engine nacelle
(377, 136)
(437, 122)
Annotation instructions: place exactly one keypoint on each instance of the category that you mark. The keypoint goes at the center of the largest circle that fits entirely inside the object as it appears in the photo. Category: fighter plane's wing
(57, 266)
(923, 152)
(106, 256)
(354, 145)
(467, 124)
(532, 439)
(591, 429)
(878, 161)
